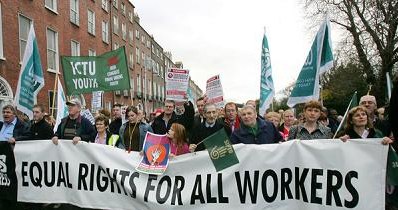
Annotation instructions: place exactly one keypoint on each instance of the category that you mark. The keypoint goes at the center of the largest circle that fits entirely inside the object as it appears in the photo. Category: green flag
(86, 74)
(392, 167)
(31, 79)
(318, 61)
(353, 103)
(220, 150)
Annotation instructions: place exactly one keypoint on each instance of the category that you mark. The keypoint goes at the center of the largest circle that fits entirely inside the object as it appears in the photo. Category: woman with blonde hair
(359, 126)
(178, 140)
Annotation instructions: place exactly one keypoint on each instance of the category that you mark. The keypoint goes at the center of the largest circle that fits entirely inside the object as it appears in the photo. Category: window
(105, 5)
(74, 11)
(114, 3)
(115, 24)
(91, 22)
(123, 8)
(52, 105)
(131, 59)
(24, 26)
(131, 36)
(149, 87)
(124, 31)
(131, 16)
(153, 49)
(138, 83)
(148, 43)
(143, 58)
(51, 5)
(143, 39)
(115, 46)
(137, 54)
(74, 48)
(1, 35)
(105, 32)
(91, 52)
(52, 50)
(137, 34)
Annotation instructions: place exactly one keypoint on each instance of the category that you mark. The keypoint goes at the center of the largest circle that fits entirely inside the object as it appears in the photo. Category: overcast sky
(224, 37)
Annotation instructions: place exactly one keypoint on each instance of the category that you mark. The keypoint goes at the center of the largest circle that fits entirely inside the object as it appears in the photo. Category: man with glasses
(369, 102)
(163, 122)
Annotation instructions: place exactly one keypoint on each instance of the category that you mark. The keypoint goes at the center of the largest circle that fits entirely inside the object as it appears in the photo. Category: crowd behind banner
(186, 130)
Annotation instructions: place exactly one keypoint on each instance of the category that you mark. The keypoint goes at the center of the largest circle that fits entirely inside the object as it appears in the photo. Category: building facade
(81, 28)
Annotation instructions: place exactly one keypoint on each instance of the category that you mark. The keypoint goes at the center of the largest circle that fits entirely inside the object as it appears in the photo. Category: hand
(11, 140)
(172, 155)
(55, 140)
(386, 141)
(76, 139)
(344, 138)
(192, 147)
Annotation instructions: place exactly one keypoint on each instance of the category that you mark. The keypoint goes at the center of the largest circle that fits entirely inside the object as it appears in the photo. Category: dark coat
(84, 129)
(159, 126)
(373, 133)
(201, 132)
(115, 125)
(21, 130)
(393, 114)
(267, 134)
(41, 130)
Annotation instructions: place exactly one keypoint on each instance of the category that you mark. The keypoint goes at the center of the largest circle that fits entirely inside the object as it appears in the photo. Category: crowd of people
(186, 129)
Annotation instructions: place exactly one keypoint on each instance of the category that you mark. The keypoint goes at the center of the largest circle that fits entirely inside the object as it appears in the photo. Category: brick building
(86, 28)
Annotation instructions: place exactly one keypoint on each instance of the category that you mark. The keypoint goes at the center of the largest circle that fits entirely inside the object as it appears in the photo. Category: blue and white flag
(31, 78)
(62, 111)
(318, 61)
(267, 90)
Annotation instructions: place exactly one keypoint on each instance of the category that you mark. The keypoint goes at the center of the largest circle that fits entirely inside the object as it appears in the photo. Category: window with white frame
(131, 59)
(137, 34)
(143, 58)
(105, 31)
(115, 24)
(105, 5)
(131, 36)
(149, 87)
(52, 50)
(131, 16)
(115, 46)
(143, 39)
(115, 3)
(123, 8)
(153, 49)
(1, 34)
(51, 5)
(138, 83)
(74, 11)
(137, 54)
(91, 52)
(91, 22)
(148, 43)
(24, 26)
(74, 48)
(124, 31)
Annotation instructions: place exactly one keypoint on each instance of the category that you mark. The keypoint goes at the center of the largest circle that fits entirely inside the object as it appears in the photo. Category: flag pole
(54, 91)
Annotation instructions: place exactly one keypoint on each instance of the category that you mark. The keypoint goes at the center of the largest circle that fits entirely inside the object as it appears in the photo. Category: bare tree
(371, 26)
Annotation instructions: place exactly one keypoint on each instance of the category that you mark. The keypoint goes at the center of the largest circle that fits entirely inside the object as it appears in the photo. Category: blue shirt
(7, 130)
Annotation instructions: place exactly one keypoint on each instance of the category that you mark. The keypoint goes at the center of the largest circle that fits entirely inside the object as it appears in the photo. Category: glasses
(169, 106)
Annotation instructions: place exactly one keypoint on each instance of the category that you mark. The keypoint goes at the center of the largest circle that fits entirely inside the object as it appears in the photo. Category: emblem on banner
(219, 152)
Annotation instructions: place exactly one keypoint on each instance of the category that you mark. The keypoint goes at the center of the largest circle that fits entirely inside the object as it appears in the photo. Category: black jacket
(159, 126)
(21, 130)
(41, 130)
(393, 114)
(84, 129)
(115, 125)
(201, 132)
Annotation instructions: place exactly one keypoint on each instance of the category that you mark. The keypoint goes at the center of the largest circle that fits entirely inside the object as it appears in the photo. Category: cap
(74, 101)
(367, 98)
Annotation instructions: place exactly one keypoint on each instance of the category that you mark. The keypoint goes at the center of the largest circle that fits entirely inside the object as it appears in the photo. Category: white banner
(214, 91)
(295, 175)
(177, 81)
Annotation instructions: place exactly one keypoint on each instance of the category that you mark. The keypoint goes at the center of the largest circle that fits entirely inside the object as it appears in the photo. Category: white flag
(62, 111)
